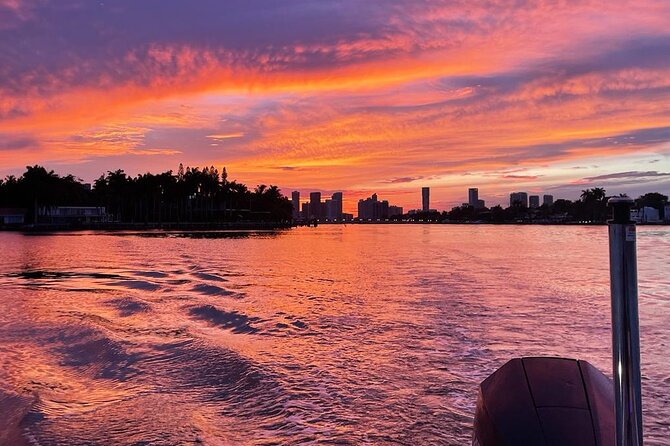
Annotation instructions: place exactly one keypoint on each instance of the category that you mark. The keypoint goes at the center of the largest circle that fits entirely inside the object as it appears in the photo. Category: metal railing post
(625, 324)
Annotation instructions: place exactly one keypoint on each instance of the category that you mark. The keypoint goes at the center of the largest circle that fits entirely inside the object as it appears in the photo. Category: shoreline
(49, 227)
(472, 223)
(250, 226)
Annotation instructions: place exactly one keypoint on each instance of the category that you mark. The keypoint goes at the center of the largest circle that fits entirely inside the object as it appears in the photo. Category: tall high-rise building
(315, 205)
(473, 197)
(518, 199)
(328, 209)
(384, 209)
(336, 206)
(366, 208)
(425, 199)
(295, 200)
(534, 201)
(548, 200)
(306, 212)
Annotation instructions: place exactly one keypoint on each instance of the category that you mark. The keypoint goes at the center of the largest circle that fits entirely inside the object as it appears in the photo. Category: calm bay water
(340, 334)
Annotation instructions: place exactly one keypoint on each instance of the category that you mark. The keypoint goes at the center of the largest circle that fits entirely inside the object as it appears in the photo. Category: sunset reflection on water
(354, 334)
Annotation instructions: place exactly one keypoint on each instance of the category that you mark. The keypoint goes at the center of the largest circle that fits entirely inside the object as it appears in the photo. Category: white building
(645, 214)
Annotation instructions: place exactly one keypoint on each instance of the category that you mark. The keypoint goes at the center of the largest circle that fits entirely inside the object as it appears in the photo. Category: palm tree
(594, 204)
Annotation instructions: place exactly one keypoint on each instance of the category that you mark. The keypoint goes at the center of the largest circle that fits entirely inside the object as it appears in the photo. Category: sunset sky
(360, 96)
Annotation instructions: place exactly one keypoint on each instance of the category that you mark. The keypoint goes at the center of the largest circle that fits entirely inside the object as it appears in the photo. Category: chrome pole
(625, 324)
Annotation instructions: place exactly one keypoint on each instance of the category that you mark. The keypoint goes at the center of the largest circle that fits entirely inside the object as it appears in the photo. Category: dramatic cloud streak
(629, 175)
(341, 94)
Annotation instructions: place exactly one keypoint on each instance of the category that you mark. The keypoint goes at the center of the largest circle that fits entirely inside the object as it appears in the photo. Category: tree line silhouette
(195, 195)
(591, 207)
(190, 195)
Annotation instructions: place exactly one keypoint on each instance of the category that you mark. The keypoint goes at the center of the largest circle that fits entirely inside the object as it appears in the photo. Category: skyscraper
(295, 200)
(315, 205)
(425, 199)
(518, 199)
(328, 209)
(534, 201)
(473, 197)
(366, 208)
(336, 206)
(548, 200)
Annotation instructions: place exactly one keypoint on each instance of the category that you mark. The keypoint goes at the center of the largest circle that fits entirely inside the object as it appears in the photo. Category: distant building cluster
(315, 209)
(373, 209)
(331, 209)
(521, 199)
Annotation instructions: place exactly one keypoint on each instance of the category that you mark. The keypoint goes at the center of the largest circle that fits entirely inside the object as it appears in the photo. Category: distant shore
(241, 226)
(48, 227)
(508, 223)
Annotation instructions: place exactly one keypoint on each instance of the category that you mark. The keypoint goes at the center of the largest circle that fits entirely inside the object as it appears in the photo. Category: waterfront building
(518, 199)
(72, 214)
(315, 205)
(473, 197)
(666, 213)
(368, 208)
(425, 199)
(646, 214)
(374, 209)
(534, 201)
(295, 200)
(332, 207)
(336, 206)
(328, 209)
(12, 216)
(383, 209)
(548, 200)
(395, 210)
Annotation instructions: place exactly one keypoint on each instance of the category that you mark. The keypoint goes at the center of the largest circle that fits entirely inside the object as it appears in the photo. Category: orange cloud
(447, 93)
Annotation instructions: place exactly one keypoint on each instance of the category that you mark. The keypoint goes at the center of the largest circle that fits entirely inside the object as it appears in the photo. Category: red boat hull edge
(545, 402)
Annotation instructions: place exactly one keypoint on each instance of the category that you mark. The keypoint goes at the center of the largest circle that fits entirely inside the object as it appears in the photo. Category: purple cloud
(629, 175)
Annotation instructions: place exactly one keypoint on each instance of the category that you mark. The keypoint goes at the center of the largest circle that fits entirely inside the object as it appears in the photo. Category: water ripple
(336, 335)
